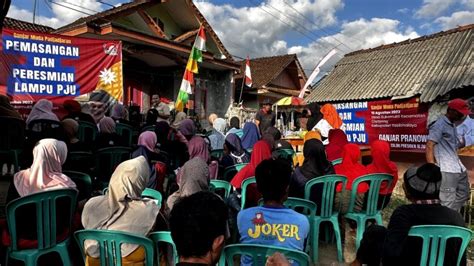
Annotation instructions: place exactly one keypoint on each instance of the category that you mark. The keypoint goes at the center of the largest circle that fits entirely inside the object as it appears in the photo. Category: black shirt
(398, 249)
(266, 120)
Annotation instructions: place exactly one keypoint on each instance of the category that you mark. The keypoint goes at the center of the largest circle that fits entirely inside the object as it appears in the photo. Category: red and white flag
(248, 75)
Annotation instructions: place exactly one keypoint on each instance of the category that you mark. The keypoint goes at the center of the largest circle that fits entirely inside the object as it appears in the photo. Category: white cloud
(433, 8)
(63, 12)
(456, 19)
(403, 10)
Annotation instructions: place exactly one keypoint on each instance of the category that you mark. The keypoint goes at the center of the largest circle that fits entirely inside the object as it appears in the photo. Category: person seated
(74, 111)
(235, 127)
(272, 224)
(392, 245)
(187, 128)
(171, 141)
(151, 117)
(6, 109)
(217, 138)
(330, 120)
(45, 173)
(123, 209)
(42, 110)
(381, 163)
(180, 116)
(315, 165)
(337, 140)
(198, 225)
(71, 128)
(194, 177)
(210, 121)
(250, 135)
(107, 136)
(120, 114)
(352, 169)
(234, 153)
(261, 151)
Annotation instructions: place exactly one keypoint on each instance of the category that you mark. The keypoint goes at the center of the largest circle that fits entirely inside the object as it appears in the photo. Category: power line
(105, 3)
(56, 3)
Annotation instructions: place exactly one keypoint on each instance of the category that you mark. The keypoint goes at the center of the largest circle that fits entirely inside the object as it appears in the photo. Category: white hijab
(122, 208)
(45, 173)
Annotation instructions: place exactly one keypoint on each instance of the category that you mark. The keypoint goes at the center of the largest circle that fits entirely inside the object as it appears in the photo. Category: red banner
(402, 123)
(37, 66)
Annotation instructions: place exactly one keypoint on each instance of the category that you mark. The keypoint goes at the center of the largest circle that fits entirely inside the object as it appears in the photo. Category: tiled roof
(265, 69)
(16, 24)
(428, 66)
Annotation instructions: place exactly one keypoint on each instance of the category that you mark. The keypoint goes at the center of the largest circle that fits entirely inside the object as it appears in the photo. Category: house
(157, 37)
(392, 92)
(273, 78)
(16, 24)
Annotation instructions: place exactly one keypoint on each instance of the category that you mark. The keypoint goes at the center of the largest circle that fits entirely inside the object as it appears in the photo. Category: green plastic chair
(83, 182)
(165, 237)
(153, 194)
(125, 131)
(232, 170)
(80, 161)
(336, 162)
(149, 128)
(327, 211)
(110, 241)
(286, 154)
(87, 132)
(260, 253)
(434, 241)
(45, 204)
(220, 184)
(217, 153)
(245, 184)
(107, 159)
(371, 212)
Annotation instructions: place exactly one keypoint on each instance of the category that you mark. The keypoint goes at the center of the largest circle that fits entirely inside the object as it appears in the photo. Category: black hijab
(315, 161)
(316, 115)
(234, 122)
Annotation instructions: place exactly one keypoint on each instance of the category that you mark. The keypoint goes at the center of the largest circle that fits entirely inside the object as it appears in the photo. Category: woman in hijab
(199, 148)
(71, 128)
(308, 136)
(187, 128)
(43, 109)
(234, 153)
(235, 127)
(122, 209)
(314, 115)
(337, 140)
(171, 142)
(315, 164)
(147, 148)
(330, 120)
(74, 110)
(46, 171)
(194, 178)
(250, 136)
(352, 169)
(217, 138)
(120, 114)
(6, 109)
(381, 164)
(107, 136)
(178, 119)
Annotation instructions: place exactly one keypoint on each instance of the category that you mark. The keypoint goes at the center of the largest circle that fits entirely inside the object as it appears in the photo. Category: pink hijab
(107, 125)
(45, 173)
(148, 140)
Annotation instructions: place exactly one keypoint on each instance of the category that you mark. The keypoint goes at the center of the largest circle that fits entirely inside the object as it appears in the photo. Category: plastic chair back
(372, 196)
(434, 241)
(221, 184)
(217, 153)
(329, 188)
(336, 161)
(153, 194)
(83, 182)
(286, 154)
(165, 237)
(107, 159)
(47, 216)
(79, 161)
(231, 171)
(260, 253)
(109, 243)
(149, 128)
(245, 184)
(125, 131)
(87, 132)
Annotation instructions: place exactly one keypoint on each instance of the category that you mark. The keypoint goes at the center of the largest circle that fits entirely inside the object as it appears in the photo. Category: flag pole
(241, 89)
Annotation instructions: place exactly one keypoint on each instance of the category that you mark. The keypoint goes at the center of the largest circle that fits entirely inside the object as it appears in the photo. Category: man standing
(442, 148)
(265, 118)
(162, 108)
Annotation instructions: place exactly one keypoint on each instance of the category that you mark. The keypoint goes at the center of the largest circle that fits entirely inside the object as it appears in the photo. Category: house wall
(285, 80)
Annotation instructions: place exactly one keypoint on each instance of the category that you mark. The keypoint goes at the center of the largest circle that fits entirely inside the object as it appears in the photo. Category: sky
(309, 28)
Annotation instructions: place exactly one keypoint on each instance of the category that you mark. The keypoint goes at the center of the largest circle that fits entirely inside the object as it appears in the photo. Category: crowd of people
(173, 157)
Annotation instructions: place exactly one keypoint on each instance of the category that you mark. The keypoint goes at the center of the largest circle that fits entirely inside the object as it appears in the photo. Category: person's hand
(277, 259)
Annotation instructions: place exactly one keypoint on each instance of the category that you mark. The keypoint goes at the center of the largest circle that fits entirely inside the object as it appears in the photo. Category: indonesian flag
(191, 68)
(248, 75)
